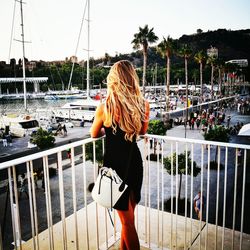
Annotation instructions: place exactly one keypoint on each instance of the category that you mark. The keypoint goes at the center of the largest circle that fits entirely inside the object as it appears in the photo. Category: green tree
(221, 70)
(199, 31)
(43, 139)
(212, 62)
(98, 152)
(156, 127)
(200, 57)
(143, 38)
(181, 166)
(218, 133)
(230, 68)
(166, 48)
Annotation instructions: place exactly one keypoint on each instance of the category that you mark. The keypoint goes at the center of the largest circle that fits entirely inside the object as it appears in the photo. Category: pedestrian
(122, 118)
(64, 129)
(82, 122)
(198, 122)
(9, 139)
(239, 156)
(69, 152)
(23, 185)
(192, 123)
(5, 143)
(43, 181)
(198, 204)
(228, 121)
(59, 128)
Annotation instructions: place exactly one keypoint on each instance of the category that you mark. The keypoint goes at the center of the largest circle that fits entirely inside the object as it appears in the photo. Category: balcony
(64, 216)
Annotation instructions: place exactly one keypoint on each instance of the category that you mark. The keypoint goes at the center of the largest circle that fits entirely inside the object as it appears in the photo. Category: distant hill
(230, 44)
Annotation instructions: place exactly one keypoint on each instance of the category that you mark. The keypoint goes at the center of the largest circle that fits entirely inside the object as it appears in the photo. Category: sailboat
(84, 109)
(71, 92)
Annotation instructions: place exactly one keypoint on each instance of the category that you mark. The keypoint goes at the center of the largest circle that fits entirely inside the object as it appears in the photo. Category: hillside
(231, 44)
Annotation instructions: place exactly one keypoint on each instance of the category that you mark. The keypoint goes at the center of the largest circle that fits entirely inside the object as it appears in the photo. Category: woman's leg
(129, 237)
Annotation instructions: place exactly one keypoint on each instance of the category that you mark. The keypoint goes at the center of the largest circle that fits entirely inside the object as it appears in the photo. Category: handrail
(55, 150)
(41, 154)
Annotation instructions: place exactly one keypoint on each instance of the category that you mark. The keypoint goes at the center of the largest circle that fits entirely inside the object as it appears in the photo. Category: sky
(52, 27)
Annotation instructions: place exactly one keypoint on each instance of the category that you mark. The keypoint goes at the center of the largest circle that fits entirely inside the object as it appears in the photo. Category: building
(240, 62)
(212, 52)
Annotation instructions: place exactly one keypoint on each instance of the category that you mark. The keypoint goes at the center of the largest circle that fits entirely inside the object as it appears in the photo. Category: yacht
(19, 126)
(77, 110)
(65, 94)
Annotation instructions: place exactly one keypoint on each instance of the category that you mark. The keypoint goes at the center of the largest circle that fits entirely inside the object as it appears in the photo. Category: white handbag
(108, 188)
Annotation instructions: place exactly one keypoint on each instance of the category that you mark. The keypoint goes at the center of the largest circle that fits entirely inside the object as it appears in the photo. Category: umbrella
(245, 130)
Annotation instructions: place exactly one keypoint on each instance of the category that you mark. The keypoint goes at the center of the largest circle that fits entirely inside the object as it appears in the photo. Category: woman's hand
(145, 123)
(97, 129)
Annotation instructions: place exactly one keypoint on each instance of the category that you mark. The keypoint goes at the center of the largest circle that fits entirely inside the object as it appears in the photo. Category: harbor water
(17, 106)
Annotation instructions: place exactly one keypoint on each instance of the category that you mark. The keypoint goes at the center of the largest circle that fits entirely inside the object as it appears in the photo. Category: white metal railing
(223, 189)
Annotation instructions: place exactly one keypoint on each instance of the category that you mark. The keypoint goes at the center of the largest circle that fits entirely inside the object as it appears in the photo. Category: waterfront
(177, 131)
(20, 145)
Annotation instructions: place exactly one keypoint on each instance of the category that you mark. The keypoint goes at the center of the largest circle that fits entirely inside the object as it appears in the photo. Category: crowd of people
(243, 106)
(206, 119)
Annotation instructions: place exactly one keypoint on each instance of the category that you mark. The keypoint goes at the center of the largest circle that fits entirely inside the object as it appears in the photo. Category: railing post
(85, 193)
(172, 193)
(162, 193)
(73, 178)
(158, 193)
(202, 200)
(235, 195)
(1, 239)
(48, 201)
(225, 199)
(208, 187)
(61, 196)
(186, 184)
(97, 212)
(243, 197)
(176, 191)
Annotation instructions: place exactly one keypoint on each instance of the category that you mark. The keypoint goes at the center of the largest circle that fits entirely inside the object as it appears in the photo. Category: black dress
(116, 156)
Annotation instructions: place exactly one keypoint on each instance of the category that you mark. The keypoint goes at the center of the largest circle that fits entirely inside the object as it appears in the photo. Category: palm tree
(221, 68)
(166, 48)
(185, 52)
(212, 62)
(142, 39)
(200, 58)
(230, 68)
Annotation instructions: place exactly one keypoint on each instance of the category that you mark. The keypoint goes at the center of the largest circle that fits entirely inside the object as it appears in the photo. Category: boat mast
(24, 76)
(87, 89)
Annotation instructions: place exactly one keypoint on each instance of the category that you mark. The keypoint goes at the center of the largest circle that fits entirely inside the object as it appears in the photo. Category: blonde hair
(125, 103)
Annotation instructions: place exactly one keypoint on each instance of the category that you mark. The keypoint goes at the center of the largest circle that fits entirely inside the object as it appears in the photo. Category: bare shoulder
(100, 109)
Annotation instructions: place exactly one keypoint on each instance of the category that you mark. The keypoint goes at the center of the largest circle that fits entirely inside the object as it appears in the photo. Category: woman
(122, 118)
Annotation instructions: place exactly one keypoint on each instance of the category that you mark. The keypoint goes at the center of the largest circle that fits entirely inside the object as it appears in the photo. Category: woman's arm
(145, 123)
(96, 128)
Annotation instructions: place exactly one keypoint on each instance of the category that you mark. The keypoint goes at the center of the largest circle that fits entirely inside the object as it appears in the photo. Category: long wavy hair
(125, 104)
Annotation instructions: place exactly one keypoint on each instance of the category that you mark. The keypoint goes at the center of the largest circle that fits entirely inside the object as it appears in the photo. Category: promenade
(20, 147)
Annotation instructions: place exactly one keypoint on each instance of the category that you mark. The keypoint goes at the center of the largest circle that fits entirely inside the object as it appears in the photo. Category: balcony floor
(154, 230)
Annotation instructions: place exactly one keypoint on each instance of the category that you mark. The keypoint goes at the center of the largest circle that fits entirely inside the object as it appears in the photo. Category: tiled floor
(158, 234)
